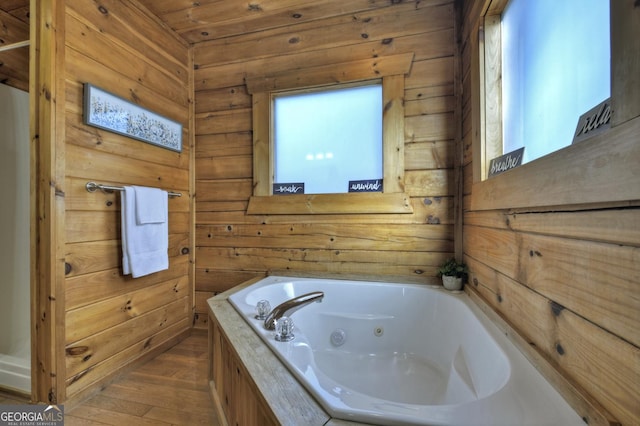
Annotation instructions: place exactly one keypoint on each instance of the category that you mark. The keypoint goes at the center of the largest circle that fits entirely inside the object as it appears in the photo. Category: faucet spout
(288, 307)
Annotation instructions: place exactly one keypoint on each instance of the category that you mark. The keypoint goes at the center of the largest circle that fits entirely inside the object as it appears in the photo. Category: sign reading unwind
(369, 185)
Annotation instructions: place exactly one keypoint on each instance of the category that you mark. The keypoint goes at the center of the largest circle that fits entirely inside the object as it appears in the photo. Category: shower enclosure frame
(47, 122)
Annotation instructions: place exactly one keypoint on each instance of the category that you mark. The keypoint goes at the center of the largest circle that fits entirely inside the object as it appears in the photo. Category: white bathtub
(15, 373)
(410, 354)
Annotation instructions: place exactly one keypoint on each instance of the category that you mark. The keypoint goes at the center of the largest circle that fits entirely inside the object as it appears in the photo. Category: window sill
(602, 169)
(349, 203)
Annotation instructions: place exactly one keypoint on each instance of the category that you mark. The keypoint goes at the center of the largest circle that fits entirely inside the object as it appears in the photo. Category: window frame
(391, 71)
(490, 73)
(575, 175)
(490, 45)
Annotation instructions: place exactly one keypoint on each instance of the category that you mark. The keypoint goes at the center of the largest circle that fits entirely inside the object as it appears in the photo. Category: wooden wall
(541, 262)
(111, 320)
(233, 246)
(554, 245)
(14, 28)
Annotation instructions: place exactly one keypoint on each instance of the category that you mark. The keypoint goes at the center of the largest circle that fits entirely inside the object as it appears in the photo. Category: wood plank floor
(171, 389)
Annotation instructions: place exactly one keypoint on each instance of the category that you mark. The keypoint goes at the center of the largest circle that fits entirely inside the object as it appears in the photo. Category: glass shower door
(15, 329)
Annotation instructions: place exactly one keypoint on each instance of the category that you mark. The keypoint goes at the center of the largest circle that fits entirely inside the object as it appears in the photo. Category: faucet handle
(262, 309)
(284, 329)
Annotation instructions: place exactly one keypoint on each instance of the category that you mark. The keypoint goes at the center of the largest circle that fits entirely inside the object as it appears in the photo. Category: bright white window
(327, 138)
(555, 67)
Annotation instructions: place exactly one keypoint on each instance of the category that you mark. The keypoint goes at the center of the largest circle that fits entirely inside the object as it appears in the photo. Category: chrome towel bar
(93, 187)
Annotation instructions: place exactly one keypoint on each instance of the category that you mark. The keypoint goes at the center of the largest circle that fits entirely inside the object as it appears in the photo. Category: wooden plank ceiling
(195, 21)
(14, 27)
(202, 20)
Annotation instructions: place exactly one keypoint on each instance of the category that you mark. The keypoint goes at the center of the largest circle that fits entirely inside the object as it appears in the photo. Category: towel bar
(93, 187)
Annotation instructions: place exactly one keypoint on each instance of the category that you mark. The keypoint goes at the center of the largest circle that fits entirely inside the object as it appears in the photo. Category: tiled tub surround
(409, 354)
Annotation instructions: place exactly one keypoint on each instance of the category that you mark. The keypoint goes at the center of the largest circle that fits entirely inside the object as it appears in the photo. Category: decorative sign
(288, 188)
(594, 121)
(109, 112)
(506, 162)
(371, 185)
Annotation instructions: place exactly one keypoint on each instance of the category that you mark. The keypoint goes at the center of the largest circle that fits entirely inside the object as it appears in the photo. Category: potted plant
(453, 273)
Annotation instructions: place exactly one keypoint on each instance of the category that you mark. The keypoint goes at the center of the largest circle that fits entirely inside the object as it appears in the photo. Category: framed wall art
(110, 112)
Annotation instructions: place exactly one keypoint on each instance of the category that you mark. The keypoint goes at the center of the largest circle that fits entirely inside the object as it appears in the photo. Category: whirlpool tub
(403, 354)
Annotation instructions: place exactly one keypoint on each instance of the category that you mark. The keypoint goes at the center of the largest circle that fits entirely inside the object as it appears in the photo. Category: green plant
(453, 268)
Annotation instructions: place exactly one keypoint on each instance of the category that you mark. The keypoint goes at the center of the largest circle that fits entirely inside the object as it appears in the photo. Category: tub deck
(289, 400)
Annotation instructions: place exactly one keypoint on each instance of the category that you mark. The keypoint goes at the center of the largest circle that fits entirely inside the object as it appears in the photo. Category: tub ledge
(288, 400)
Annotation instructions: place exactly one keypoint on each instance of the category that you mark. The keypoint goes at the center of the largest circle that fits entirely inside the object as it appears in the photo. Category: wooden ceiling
(202, 20)
(194, 20)
(14, 27)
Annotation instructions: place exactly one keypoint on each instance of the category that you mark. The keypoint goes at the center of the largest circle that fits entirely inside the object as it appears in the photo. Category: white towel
(151, 205)
(144, 246)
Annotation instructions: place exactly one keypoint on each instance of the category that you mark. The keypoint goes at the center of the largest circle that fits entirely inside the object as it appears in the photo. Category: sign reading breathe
(506, 162)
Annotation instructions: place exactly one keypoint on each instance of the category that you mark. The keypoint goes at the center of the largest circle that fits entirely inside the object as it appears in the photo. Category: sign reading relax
(594, 121)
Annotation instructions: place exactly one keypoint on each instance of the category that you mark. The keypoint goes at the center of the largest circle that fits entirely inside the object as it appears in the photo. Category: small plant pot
(452, 283)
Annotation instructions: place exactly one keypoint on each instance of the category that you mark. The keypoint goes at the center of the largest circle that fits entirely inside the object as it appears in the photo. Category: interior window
(370, 140)
(330, 140)
(555, 67)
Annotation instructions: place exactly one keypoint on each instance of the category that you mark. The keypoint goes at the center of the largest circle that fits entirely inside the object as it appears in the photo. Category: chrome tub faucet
(290, 306)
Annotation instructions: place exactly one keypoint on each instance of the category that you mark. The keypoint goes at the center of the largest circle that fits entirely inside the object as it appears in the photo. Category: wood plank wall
(112, 320)
(233, 246)
(561, 262)
(47, 132)
(14, 28)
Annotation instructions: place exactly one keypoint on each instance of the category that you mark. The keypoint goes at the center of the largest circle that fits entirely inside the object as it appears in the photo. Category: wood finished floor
(171, 389)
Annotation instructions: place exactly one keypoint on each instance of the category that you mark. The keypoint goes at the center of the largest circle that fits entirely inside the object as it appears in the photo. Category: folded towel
(144, 247)
(150, 205)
